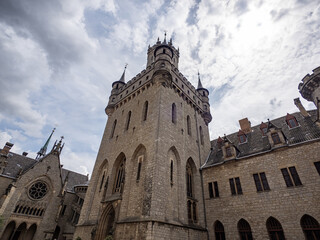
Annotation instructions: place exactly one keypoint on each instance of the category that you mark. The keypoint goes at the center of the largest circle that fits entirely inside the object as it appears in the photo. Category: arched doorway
(19, 233)
(310, 227)
(56, 233)
(106, 223)
(9, 230)
(31, 231)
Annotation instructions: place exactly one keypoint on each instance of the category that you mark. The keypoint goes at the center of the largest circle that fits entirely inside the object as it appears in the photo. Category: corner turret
(205, 98)
(115, 89)
(309, 88)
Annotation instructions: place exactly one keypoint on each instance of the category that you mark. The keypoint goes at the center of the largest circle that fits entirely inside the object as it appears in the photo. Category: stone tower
(146, 182)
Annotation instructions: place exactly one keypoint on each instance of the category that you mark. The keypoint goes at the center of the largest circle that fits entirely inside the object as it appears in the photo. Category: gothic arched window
(219, 231)
(171, 172)
(145, 111)
(189, 180)
(275, 229)
(113, 128)
(189, 125)
(128, 120)
(244, 230)
(120, 177)
(174, 113)
(310, 227)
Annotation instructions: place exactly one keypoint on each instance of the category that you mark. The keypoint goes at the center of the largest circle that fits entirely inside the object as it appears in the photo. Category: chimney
(6, 149)
(301, 108)
(24, 154)
(245, 125)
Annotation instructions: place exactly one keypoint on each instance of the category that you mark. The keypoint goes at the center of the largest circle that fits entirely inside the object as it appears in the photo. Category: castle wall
(286, 204)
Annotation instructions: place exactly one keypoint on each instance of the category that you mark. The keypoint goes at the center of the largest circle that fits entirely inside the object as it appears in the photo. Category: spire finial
(122, 79)
(199, 81)
(43, 150)
(165, 37)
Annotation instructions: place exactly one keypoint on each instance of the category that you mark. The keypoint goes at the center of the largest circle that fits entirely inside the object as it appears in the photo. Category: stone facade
(158, 176)
(39, 199)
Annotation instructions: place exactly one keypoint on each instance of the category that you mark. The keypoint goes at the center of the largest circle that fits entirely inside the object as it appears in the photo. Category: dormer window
(291, 121)
(219, 142)
(263, 128)
(275, 138)
(242, 137)
(228, 152)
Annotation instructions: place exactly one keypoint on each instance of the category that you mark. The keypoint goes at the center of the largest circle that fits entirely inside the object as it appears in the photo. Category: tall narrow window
(244, 230)
(174, 113)
(189, 181)
(140, 159)
(201, 135)
(310, 227)
(171, 172)
(145, 111)
(261, 182)
(213, 189)
(128, 120)
(317, 165)
(188, 125)
(275, 229)
(119, 180)
(101, 182)
(194, 211)
(291, 177)
(219, 231)
(113, 128)
(235, 186)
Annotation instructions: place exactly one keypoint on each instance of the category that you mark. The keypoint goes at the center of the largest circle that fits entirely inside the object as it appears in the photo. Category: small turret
(163, 54)
(114, 92)
(205, 98)
(57, 147)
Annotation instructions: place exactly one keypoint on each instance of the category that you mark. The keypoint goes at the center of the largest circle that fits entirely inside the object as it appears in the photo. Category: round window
(38, 190)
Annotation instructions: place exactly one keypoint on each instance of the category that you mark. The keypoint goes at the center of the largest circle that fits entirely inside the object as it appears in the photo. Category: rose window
(38, 190)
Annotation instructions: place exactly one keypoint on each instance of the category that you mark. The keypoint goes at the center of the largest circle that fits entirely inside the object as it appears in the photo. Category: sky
(59, 58)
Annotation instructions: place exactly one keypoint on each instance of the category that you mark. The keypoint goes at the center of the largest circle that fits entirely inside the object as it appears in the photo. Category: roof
(17, 162)
(257, 143)
(74, 179)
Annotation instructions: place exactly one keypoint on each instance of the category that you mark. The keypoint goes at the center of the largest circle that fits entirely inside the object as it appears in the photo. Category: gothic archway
(56, 233)
(106, 223)
(31, 231)
(20, 232)
(8, 232)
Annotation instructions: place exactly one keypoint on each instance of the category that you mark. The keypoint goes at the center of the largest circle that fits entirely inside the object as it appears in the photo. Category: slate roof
(74, 179)
(17, 162)
(258, 144)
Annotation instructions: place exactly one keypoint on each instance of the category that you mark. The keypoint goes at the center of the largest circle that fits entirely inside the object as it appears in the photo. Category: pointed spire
(199, 81)
(158, 41)
(43, 150)
(122, 79)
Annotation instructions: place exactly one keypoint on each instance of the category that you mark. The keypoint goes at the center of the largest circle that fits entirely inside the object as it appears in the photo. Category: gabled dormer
(264, 128)
(242, 137)
(275, 135)
(291, 121)
(228, 149)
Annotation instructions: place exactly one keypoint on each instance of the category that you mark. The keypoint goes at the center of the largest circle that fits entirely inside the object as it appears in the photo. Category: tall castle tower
(146, 182)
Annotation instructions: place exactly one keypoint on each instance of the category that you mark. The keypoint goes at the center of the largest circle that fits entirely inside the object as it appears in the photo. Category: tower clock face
(38, 190)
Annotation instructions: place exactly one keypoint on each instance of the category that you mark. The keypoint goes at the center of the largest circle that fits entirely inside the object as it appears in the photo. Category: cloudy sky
(59, 58)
